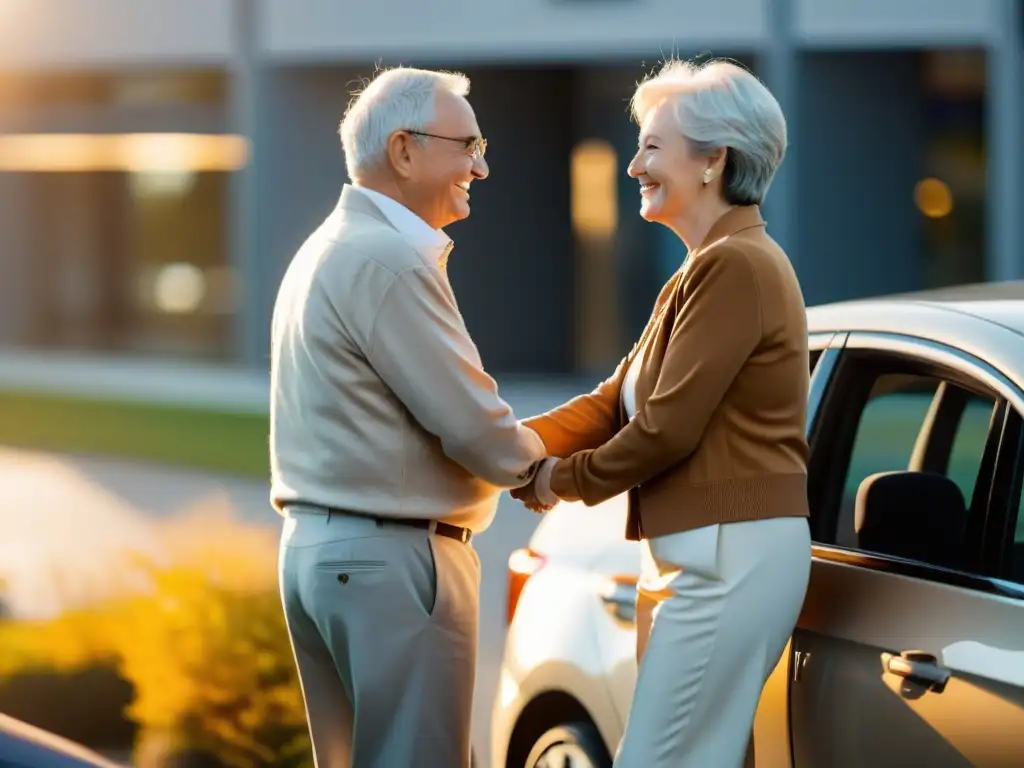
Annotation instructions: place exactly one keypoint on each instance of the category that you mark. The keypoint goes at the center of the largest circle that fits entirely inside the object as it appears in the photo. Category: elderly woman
(703, 424)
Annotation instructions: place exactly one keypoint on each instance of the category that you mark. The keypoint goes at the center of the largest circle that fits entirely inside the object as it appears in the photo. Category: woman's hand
(537, 495)
(528, 495)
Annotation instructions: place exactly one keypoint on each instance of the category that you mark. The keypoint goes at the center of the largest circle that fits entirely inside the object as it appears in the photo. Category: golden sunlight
(130, 152)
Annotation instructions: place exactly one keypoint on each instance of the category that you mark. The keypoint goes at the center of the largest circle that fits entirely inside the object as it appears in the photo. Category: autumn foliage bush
(201, 639)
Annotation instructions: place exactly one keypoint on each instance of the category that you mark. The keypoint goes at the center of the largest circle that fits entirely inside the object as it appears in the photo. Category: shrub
(201, 639)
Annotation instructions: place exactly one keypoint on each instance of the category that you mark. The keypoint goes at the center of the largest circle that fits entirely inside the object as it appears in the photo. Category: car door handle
(918, 667)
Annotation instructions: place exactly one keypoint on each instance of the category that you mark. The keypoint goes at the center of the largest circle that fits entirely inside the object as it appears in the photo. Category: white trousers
(716, 608)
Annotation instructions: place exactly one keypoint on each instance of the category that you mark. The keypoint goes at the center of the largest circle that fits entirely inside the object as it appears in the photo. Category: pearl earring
(707, 176)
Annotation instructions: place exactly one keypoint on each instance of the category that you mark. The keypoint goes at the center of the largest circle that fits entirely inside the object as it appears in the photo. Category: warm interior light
(130, 152)
(179, 288)
(595, 200)
(933, 198)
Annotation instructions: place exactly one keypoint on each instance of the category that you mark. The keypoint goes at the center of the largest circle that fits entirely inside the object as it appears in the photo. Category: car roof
(985, 320)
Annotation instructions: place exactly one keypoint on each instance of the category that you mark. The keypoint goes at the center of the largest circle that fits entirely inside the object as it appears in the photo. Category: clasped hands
(537, 495)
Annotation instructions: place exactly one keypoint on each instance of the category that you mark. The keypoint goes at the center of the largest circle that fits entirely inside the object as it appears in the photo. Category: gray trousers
(383, 623)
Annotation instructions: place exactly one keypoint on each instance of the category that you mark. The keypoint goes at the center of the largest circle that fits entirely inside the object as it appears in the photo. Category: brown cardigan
(721, 397)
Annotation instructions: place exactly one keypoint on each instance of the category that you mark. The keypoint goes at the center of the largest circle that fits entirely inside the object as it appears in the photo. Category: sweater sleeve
(591, 420)
(586, 421)
(421, 349)
(717, 327)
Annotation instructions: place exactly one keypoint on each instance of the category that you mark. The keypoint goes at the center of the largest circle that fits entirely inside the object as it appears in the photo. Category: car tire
(573, 745)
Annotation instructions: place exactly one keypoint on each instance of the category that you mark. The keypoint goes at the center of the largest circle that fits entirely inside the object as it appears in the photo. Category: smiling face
(671, 177)
(440, 170)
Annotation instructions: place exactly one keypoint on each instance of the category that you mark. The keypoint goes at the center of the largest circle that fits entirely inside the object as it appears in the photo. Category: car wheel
(575, 745)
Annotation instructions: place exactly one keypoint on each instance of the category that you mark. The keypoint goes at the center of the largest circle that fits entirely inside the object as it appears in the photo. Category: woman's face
(671, 178)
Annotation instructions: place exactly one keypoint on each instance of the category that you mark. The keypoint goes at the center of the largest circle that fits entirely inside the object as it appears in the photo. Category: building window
(25, 90)
(951, 196)
(121, 238)
(594, 183)
(594, 207)
(131, 260)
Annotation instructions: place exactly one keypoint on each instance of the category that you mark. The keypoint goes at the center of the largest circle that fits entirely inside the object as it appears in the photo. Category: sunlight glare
(130, 152)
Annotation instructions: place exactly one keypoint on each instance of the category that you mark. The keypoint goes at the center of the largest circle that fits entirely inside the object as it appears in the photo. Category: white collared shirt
(432, 244)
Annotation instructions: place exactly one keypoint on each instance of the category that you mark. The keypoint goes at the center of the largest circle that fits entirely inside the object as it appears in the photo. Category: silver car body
(893, 662)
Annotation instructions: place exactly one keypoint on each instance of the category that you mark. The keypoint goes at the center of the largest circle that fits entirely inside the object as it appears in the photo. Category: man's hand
(528, 495)
(534, 498)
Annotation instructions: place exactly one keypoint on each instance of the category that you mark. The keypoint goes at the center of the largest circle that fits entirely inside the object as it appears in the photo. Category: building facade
(161, 160)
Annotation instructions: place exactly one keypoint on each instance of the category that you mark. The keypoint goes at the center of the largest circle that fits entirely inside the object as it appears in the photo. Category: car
(25, 746)
(909, 649)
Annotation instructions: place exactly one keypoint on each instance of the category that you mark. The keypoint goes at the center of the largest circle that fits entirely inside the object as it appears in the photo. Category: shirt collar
(432, 244)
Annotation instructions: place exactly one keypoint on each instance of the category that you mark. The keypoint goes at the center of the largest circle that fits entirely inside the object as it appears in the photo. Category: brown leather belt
(441, 529)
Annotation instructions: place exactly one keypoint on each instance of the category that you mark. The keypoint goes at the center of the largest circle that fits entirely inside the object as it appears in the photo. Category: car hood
(575, 534)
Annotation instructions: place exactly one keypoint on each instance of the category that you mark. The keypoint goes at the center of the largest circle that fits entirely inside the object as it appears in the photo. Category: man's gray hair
(720, 104)
(396, 99)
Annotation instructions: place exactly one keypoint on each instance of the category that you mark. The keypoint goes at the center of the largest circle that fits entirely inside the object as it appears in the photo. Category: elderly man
(389, 442)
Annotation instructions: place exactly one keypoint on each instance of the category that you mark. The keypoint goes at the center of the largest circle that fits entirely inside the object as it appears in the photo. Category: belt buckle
(463, 533)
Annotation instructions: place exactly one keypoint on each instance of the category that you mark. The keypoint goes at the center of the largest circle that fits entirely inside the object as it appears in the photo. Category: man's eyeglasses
(474, 145)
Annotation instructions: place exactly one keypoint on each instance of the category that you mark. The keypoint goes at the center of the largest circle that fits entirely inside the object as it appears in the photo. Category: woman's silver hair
(396, 99)
(720, 104)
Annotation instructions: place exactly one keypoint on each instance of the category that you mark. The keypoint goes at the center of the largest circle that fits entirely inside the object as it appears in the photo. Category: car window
(888, 428)
(885, 438)
(1016, 570)
(1017, 555)
(969, 444)
(892, 423)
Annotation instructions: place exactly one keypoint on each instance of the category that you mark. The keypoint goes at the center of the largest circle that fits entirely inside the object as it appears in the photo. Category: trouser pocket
(422, 573)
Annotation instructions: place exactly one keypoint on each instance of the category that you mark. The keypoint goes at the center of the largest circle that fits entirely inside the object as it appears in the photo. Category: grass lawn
(234, 443)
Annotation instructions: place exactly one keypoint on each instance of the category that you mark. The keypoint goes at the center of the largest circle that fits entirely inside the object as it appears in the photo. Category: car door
(909, 660)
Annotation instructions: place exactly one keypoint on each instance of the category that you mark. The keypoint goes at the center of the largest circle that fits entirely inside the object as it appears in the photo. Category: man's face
(441, 169)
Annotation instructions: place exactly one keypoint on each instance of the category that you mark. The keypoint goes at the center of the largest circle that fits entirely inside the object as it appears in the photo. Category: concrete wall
(67, 34)
(890, 23)
(502, 29)
(102, 33)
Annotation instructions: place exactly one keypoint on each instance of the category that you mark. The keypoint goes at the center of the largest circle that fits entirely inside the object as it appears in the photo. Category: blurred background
(160, 162)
